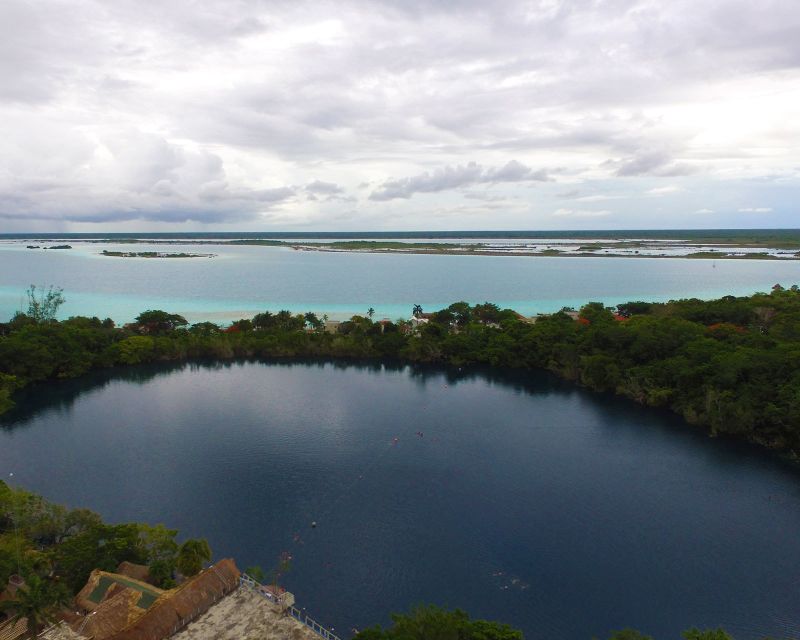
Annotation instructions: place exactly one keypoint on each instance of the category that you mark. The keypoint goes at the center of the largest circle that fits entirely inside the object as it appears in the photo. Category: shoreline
(545, 254)
(713, 246)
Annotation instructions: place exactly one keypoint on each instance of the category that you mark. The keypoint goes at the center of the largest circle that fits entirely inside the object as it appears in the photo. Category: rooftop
(245, 615)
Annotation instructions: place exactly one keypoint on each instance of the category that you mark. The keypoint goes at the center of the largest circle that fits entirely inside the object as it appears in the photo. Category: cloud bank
(456, 177)
(230, 113)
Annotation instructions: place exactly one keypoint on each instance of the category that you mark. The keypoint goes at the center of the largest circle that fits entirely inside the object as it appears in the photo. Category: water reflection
(59, 396)
(511, 494)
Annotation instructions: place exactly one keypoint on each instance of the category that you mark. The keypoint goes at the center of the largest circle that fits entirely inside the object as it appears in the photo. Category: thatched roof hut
(102, 585)
(178, 607)
(14, 629)
(112, 616)
(139, 572)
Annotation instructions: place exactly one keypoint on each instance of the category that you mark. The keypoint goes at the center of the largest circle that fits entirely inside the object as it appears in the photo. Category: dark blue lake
(564, 513)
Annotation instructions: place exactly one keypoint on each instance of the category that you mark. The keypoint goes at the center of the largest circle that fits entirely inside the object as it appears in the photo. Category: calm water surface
(565, 513)
(244, 280)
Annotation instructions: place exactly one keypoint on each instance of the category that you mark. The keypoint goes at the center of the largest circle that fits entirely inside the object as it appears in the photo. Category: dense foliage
(730, 365)
(57, 547)
(433, 623)
(54, 550)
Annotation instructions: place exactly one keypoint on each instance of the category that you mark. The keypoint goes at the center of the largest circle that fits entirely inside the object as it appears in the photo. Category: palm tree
(370, 312)
(36, 602)
(417, 311)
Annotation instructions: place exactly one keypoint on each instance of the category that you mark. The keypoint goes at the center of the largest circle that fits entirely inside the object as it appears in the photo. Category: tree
(205, 329)
(158, 543)
(628, 309)
(36, 601)
(313, 321)
(433, 623)
(256, 573)
(8, 384)
(134, 350)
(80, 520)
(282, 321)
(487, 312)
(264, 320)
(370, 312)
(461, 313)
(44, 306)
(416, 311)
(192, 555)
(157, 321)
(708, 634)
(99, 546)
(629, 634)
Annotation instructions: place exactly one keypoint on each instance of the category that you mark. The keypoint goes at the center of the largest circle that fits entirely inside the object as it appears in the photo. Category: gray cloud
(206, 112)
(127, 176)
(651, 163)
(324, 188)
(455, 177)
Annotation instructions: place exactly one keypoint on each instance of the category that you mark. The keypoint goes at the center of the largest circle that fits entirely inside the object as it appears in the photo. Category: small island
(154, 254)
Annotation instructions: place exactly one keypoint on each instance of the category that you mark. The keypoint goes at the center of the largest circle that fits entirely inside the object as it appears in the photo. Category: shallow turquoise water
(244, 280)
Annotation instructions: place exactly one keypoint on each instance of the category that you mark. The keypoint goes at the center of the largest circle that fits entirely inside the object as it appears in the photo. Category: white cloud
(704, 211)
(663, 191)
(234, 112)
(755, 210)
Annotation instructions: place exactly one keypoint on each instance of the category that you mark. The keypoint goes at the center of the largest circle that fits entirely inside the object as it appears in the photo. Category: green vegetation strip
(154, 254)
(730, 366)
(55, 549)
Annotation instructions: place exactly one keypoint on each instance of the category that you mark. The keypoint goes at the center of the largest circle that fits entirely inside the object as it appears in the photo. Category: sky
(206, 115)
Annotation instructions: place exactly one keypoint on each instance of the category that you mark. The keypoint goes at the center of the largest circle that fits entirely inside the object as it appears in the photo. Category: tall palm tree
(370, 312)
(417, 311)
(37, 602)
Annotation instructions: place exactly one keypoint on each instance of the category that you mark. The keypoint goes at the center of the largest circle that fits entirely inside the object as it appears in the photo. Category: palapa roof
(60, 631)
(139, 572)
(176, 608)
(113, 615)
(13, 629)
(103, 585)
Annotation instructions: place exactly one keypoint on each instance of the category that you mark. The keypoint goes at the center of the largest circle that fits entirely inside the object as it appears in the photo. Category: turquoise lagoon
(243, 280)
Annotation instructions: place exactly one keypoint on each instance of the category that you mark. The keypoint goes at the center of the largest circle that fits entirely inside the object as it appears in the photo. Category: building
(116, 606)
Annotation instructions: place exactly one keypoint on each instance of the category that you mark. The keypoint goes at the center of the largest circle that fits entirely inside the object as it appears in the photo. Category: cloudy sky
(398, 114)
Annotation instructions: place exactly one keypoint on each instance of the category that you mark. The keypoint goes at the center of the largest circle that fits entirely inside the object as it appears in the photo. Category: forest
(730, 366)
